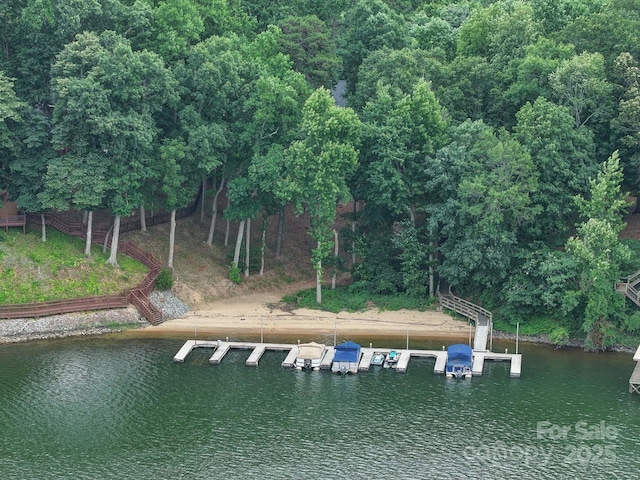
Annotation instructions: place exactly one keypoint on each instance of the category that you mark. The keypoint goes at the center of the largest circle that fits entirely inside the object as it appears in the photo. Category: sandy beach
(249, 315)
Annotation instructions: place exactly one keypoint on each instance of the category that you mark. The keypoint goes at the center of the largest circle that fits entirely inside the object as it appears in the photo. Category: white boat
(391, 359)
(310, 356)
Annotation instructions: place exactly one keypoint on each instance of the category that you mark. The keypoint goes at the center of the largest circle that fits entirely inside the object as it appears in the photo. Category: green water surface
(119, 408)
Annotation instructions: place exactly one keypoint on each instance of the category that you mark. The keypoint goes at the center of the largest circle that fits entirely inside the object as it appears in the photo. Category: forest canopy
(488, 146)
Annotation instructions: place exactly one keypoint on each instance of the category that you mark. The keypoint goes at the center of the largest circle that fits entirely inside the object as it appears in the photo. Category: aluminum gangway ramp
(480, 339)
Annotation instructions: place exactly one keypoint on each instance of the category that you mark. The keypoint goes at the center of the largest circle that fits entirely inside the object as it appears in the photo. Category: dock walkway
(634, 381)
(221, 348)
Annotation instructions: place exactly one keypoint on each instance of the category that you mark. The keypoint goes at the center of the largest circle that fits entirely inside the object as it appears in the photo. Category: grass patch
(342, 299)
(36, 271)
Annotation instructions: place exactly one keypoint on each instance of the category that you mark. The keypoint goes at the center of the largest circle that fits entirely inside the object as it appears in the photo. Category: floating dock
(221, 348)
(634, 381)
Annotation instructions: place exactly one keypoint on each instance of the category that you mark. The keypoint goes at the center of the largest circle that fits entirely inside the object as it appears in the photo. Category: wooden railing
(137, 296)
(629, 287)
(470, 310)
(13, 221)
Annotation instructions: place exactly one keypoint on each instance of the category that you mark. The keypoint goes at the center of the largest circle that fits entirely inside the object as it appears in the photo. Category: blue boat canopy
(459, 353)
(347, 352)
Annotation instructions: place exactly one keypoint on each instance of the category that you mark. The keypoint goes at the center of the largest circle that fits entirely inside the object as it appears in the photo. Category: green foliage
(413, 258)
(9, 109)
(307, 40)
(559, 336)
(164, 280)
(600, 255)
(632, 323)
(235, 274)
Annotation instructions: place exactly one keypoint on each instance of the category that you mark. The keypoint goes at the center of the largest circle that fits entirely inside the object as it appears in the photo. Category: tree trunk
(43, 222)
(247, 246)
(106, 239)
(263, 243)
(113, 260)
(226, 235)
(87, 244)
(319, 281)
(432, 283)
(202, 198)
(236, 253)
(353, 230)
(336, 250)
(280, 229)
(172, 238)
(85, 215)
(143, 218)
(214, 214)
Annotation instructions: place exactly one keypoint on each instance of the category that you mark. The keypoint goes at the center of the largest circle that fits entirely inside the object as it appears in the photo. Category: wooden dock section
(405, 356)
(634, 381)
(365, 359)
(255, 356)
(327, 360)
(290, 360)
(188, 347)
(221, 348)
(480, 357)
(221, 351)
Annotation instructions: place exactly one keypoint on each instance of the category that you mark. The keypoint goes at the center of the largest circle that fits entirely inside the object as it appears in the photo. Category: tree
(580, 83)
(626, 125)
(308, 42)
(563, 157)
(317, 166)
(214, 82)
(78, 181)
(106, 96)
(371, 25)
(433, 34)
(494, 179)
(400, 69)
(27, 161)
(179, 181)
(599, 253)
(9, 109)
(400, 134)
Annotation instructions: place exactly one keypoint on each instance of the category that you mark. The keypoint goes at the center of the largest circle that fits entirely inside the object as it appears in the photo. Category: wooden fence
(13, 221)
(138, 296)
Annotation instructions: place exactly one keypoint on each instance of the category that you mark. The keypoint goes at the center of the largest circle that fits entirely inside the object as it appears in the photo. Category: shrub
(235, 274)
(164, 280)
(559, 336)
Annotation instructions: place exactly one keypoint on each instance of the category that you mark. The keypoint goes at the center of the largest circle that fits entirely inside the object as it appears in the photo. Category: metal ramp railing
(483, 318)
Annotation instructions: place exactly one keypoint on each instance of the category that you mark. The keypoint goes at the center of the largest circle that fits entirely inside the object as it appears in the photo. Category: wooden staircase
(630, 287)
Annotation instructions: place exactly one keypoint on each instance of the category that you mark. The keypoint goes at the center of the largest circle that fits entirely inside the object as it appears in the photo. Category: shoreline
(261, 315)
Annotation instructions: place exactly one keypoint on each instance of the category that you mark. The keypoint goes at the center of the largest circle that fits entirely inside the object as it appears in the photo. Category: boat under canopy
(459, 361)
(346, 358)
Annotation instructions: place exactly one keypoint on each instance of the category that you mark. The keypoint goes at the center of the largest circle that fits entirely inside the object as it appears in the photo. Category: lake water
(118, 408)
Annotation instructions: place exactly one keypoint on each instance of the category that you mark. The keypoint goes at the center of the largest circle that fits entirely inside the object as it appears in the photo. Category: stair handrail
(463, 307)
